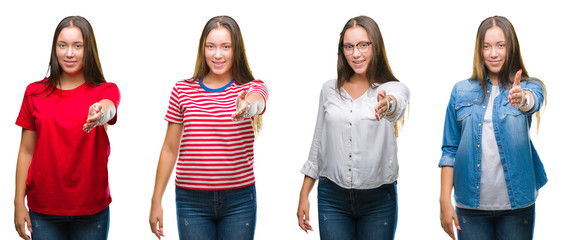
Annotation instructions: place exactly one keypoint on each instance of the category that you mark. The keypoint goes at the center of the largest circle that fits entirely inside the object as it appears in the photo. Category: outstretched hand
(383, 105)
(516, 95)
(95, 117)
(242, 108)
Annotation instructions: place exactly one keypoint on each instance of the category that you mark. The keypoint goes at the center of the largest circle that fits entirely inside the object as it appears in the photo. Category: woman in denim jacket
(488, 156)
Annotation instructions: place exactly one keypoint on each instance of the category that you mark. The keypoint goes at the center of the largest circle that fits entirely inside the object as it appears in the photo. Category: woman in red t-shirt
(62, 160)
(211, 121)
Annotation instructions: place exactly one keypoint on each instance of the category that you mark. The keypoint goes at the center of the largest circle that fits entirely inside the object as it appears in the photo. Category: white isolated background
(145, 47)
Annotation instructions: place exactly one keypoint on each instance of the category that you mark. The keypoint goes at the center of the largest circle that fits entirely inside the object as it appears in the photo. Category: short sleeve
(25, 117)
(258, 86)
(174, 113)
(110, 91)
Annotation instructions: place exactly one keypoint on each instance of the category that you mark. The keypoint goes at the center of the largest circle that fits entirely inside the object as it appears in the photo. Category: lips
(495, 62)
(358, 63)
(69, 63)
(218, 64)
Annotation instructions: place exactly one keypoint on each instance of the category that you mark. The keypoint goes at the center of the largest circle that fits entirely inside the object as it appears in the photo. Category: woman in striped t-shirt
(211, 123)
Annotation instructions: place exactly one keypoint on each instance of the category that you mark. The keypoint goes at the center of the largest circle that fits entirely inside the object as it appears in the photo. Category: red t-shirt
(68, 172)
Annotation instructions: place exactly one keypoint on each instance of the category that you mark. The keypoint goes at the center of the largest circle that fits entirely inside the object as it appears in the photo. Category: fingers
(241, 107)
(158, 231)
(92, 122)
(382, 105)
(456, 220)
(517, 80)
(20, 228)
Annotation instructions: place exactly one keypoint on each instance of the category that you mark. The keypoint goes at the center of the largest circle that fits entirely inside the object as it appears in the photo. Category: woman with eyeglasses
(354, 152)
(488, 156)
(62, 160)
(212, 121)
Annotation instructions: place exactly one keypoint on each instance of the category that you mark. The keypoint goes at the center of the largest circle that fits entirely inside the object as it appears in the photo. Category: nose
(218, 53)
(70, 52)
(494, 52)
(356, 52)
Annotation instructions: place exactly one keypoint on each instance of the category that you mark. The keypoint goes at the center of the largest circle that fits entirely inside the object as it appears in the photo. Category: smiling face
(359, 61)
(70, 50)
(494, 51)
(218, 52)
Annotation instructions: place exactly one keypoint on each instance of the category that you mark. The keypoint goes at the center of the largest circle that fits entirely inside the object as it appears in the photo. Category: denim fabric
(462, 136)
(85, 227)
(222, 214)
(346, 214)
(496, 225)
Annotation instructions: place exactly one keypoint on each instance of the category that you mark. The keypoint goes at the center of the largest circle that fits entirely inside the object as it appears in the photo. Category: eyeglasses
(362, 47)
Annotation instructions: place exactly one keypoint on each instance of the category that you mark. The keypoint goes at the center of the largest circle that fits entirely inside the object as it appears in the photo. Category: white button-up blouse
(350, 147)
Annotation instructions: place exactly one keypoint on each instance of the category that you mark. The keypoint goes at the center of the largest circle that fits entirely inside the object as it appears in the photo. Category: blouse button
(351, 110)
(350, 169)
(509, 188)
(477, 187)
(350, 139)
(478, 145)
(480, 124)
(478, 165)
(501, 147)
(483, 106)
(350, 124)
(349, 155)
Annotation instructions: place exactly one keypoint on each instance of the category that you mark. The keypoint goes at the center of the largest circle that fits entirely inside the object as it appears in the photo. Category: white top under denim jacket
(350, 147)
(462, 138)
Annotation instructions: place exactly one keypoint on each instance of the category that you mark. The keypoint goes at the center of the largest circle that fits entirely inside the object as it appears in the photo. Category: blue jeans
(515, 224)
(223, 214)
(356, 214)
(84, 227)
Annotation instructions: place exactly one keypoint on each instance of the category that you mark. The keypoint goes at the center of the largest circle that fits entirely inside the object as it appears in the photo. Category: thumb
(242, 95)
(382, 95)
(517, 80)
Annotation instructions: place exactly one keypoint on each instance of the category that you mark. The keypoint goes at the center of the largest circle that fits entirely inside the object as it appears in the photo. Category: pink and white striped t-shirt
(215, 153)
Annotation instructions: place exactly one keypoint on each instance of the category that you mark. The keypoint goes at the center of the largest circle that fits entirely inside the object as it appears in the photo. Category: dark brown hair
(513, 60)
(93, 73)
(240, 68)
(378, 70)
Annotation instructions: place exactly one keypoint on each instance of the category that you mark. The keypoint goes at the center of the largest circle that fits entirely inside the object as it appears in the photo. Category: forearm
(25, 155)
(167, 161)
(446, 183)
(307, 185)
(257, 103)
(108, 110)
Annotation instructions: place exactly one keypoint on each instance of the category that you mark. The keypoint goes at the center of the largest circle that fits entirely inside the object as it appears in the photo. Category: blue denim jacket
(523, 170)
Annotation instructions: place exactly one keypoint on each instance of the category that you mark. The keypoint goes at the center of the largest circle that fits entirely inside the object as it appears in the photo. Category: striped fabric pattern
(215, 153)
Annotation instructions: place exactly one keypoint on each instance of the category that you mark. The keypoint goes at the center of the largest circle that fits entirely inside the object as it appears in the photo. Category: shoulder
(468, 85)
(107, 85)
(394, 85)
(329, 85)
(532, 83)
(36, 86)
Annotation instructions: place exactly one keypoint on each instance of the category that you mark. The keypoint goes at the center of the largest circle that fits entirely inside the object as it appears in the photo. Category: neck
(494, 77)
(71, 81)
(213, 80)
(358, 78)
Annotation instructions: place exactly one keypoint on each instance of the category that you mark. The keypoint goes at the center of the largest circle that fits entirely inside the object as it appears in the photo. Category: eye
(61, 45)
(486, 47)
(363, 45)
(210, 46)
(347, 47)
(226, 47)
(79, 46)
(502, 45)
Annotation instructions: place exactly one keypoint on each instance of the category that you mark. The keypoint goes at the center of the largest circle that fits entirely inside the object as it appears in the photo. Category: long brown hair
(513, 60)
(93, 73)
(240, 70)
(378, 70)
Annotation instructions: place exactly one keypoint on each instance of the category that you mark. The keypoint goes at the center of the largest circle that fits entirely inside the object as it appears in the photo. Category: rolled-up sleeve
(310, 167)
(402, 94)
(451, 135)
